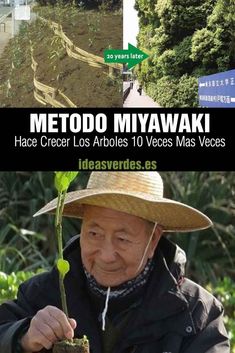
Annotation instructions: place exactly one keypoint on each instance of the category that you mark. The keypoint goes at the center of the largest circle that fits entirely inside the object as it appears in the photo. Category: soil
(77, 346)
(84, 85)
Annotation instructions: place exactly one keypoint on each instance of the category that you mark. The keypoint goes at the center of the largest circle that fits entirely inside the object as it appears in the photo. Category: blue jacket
(175, 316)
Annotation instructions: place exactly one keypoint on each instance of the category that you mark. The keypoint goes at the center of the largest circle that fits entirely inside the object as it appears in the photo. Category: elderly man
(126, 289)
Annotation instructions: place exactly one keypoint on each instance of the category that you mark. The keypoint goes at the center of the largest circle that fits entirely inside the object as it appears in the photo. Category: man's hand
(47, 326)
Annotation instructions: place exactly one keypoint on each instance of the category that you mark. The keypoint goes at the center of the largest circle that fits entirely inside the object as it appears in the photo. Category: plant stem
(58, 224)
(63, 296)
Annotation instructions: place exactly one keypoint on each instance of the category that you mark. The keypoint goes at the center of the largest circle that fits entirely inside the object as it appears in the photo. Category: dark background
(16, 122)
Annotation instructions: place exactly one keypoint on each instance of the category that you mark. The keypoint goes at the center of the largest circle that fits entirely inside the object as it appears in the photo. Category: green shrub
(166, 92)
(224, 290)
(9, 283)
(187, 91)
(151, 90)
(170, 92)
(180, 17)
(160, 41)
(166, 63)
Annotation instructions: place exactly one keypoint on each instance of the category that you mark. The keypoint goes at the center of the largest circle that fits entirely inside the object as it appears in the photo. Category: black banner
(86, 138)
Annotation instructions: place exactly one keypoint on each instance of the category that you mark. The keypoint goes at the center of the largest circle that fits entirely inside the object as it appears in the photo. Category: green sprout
(62, 183)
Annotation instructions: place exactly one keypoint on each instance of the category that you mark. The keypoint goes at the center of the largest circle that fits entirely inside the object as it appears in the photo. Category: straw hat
(136, 193)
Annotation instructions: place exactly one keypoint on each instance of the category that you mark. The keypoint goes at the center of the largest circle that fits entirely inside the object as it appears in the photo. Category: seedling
(93, 26)
(62, 183)
(90, 42)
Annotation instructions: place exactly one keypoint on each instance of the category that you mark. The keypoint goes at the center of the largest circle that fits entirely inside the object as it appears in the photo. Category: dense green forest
(185, 39)
(28, 244)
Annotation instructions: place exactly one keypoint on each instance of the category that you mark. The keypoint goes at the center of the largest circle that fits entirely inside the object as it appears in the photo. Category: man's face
(113, 244)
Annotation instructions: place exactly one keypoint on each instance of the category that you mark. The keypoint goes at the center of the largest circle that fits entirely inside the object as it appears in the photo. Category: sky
(130, 23)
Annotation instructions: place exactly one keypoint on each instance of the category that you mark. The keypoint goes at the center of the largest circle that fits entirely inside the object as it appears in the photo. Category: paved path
(134, 100)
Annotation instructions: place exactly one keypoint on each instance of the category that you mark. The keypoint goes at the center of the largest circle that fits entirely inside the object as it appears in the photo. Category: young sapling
(62, 183)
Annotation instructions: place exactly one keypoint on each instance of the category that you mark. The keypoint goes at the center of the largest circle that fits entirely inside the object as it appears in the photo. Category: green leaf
(71, 176)
(63, 267)
(3, 281)
(63, 180)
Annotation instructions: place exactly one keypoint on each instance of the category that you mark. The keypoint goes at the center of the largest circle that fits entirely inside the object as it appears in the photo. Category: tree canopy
(185, 39)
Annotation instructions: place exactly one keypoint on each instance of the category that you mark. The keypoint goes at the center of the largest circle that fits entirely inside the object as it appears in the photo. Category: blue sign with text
(217, 90)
